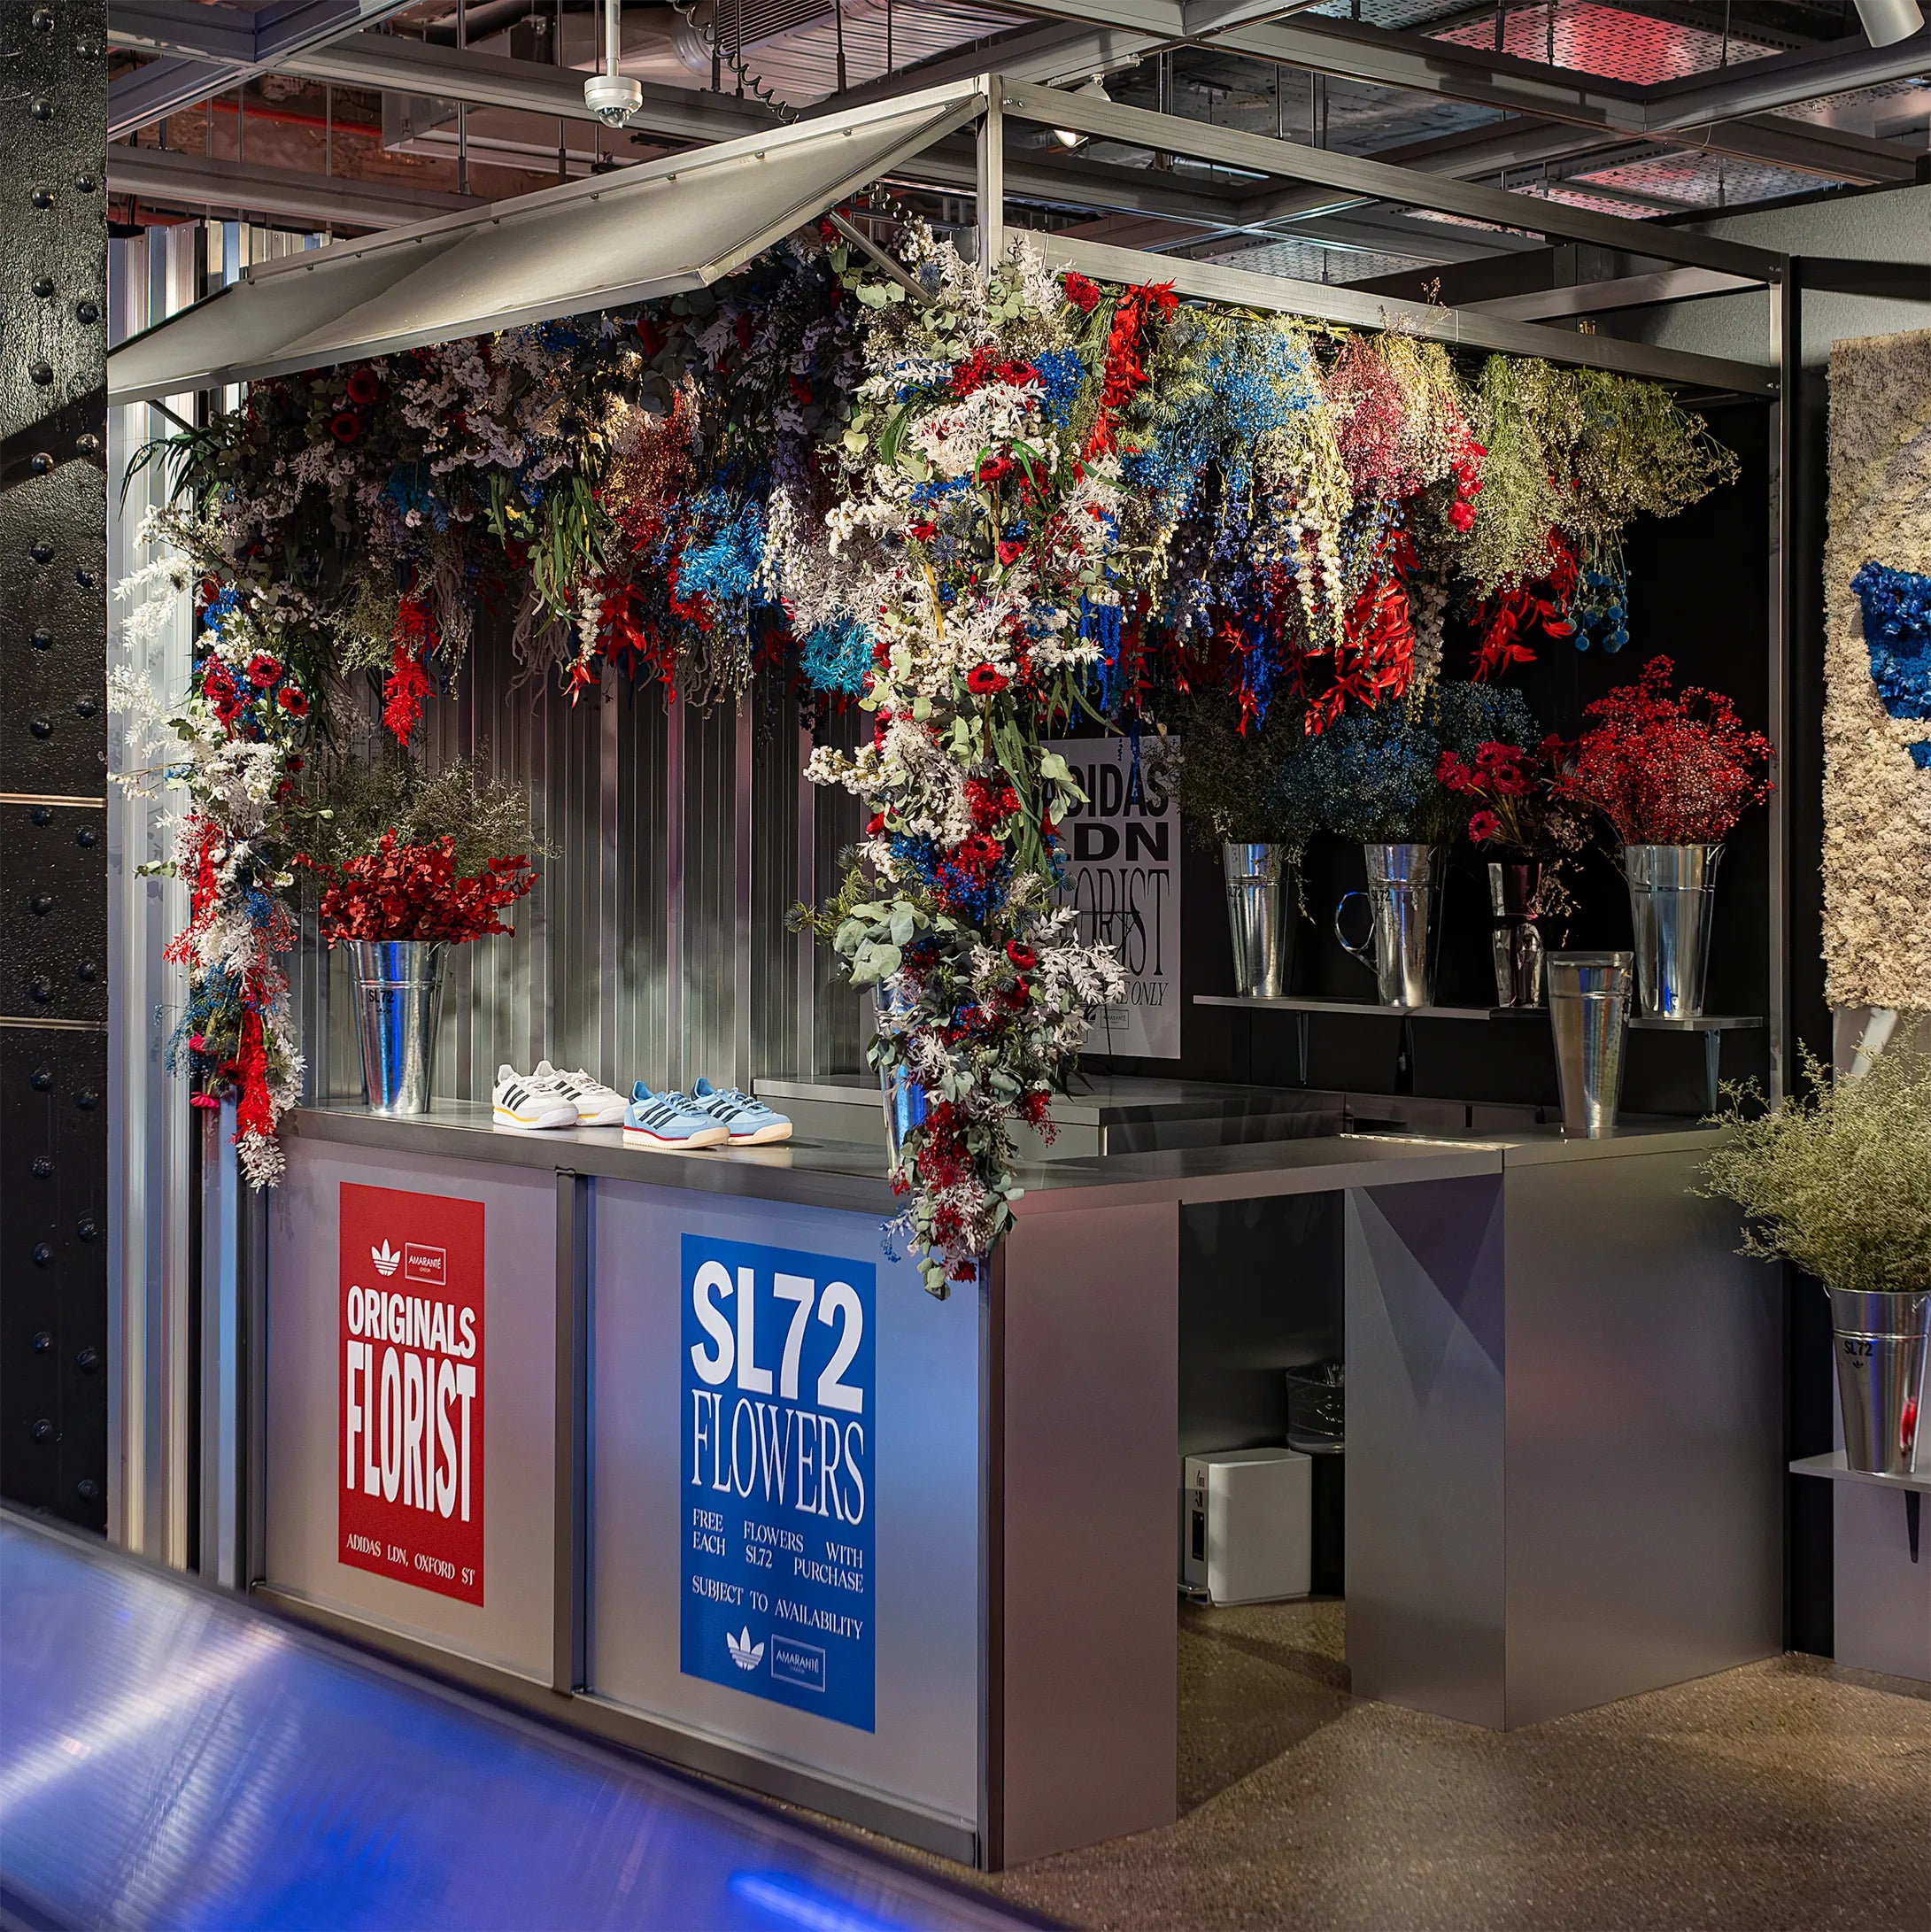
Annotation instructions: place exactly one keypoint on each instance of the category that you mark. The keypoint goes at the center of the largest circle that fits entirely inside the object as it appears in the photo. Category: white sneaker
(597, 1105)
(527, 1100)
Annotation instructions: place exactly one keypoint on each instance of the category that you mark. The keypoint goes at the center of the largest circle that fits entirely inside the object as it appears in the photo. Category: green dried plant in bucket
(1231, 785)
(355, 799)
(1839, 1180)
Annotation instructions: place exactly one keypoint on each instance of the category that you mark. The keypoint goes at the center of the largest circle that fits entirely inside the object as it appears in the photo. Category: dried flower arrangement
(1838, 1182)
(1667, 768)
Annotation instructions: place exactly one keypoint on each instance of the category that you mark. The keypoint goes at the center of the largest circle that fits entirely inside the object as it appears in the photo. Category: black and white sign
(1123, 875)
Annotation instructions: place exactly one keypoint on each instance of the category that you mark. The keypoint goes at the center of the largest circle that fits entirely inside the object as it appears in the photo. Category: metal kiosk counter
(671, 1447)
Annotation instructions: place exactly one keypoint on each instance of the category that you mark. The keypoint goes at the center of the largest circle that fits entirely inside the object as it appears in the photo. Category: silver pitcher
(1404, 906)
(399, 997)
(1515, 889)
(1881, 1342)
(1588, 1014)
(1257, 919)
(904, 1098)
(1672, 896)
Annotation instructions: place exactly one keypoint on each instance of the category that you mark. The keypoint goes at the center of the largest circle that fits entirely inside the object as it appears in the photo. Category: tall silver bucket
(1588, 1013)
(399, 997)
(1257, 920)
(904, 1098)
(1672, 896)
(1404, 906)
(1883, 1340)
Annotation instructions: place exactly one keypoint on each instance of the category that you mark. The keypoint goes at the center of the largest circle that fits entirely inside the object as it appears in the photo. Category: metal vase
(1881, 1341)
(398, 999)
(1672, 896)
(1404, 906)
(1588, 1013)
(1257, 919)
(904, 1098)
(1515, 887)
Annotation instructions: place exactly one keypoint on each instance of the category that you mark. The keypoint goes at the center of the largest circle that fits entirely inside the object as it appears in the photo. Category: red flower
(365, 387)
(800, 389)
(263, 669)
(1011, 553)
(206, 590)
(1484, 826)
(345, 426)
(982, 681)
(1022, 956)
(293, 702)
(1461, 515)
(1083, 295)
(923, 529)
(875, 825)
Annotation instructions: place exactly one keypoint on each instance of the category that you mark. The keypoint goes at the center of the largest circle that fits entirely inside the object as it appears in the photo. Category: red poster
(411, 1415)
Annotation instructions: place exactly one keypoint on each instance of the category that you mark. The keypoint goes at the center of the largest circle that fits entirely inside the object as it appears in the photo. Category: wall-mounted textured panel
(54, 1371)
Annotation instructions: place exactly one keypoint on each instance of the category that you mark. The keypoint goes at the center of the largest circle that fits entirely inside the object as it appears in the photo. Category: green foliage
(353, 799)
(1838, 1182)
(1232, 788)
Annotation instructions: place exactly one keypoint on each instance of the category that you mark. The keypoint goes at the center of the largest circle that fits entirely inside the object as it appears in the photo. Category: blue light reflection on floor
(168, 1757)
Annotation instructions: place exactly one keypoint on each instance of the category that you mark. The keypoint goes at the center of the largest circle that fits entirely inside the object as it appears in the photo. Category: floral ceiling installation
(1877, 788)
(983, 508)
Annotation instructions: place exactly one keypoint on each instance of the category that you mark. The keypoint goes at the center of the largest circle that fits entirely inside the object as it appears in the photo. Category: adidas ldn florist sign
(777, 1422)
(411, 1434)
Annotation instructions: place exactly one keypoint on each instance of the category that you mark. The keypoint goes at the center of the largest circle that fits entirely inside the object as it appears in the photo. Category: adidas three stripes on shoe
(597, 1105)
(519, 1100)
(669, 1120)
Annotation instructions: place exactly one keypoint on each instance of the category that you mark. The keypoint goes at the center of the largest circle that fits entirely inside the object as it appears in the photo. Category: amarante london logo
(744, 1653)
(386, 1259)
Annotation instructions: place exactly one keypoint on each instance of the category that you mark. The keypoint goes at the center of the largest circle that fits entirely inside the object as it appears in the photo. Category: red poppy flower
(294, 702)
(982, 681)
(1083, 295)
(345, 426)
(1484, 826)
(1022, 956)
(1011, 553)
(263, 669)
(875, 825)
(206, 590)
(923, 530)
(365, 387)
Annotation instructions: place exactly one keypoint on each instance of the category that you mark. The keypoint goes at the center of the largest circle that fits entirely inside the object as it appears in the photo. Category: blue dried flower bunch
(1896, 606)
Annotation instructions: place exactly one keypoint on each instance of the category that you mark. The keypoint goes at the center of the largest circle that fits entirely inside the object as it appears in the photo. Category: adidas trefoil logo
(386, 1259)
(744, 1653)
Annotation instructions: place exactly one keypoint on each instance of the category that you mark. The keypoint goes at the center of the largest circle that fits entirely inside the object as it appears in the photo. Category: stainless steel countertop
(832, 1174)
(1103, 1098)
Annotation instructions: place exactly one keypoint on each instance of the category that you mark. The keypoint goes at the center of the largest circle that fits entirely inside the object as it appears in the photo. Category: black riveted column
(54, 1377)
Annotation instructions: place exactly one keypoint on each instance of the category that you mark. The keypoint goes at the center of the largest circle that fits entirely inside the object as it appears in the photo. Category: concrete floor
(1786, 1794)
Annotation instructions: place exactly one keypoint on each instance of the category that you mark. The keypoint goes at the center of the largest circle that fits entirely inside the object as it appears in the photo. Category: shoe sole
(535, 1123)
(611, 1116)
(763, 1137)
(644, 1137)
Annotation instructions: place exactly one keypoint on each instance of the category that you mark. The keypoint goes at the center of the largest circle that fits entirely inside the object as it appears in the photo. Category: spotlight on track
(1885, 22)
(1095, 91)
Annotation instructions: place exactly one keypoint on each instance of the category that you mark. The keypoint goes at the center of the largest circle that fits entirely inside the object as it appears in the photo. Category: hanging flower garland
(981, 511)
(235, 745)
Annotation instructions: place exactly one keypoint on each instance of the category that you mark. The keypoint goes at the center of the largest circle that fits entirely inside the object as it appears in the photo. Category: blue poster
(777, 1522)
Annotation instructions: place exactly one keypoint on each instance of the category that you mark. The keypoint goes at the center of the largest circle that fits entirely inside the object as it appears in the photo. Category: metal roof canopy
(688, 220)
(670, 225)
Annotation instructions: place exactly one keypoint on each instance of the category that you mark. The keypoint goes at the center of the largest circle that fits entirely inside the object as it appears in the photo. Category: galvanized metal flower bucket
(1257, 919)
(399, 997)
(1672, 897)
(1404, 933)
(1883, 1340)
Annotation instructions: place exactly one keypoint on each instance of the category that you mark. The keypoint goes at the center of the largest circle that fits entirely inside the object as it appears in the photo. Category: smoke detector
(611, 96)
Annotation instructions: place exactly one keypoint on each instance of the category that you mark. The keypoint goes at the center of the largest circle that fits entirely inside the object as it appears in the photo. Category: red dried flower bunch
(1668, 768)
(413, 892)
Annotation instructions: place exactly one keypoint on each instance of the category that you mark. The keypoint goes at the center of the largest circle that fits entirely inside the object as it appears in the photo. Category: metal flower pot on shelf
(1258, 919)
(1404, 930)
(904, 1098)
(1672, 896)
(1589, 1015)
(398, 999)
(1514, 891)
(1881, 1341)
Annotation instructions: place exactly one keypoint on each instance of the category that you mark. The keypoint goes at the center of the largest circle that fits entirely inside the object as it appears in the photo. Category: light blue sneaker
(669, 1120)
(750, 1122)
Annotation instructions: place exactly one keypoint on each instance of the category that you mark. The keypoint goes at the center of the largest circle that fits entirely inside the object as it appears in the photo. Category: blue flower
(837, 656)
(1896, 606)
